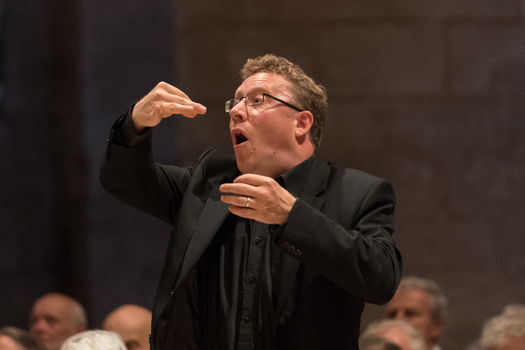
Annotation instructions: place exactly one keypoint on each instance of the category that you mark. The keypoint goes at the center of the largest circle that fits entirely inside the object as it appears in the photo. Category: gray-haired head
(20, 337)
(505, 331)
(438, 300)
(94, 340)
(514, 310)
(394, 330)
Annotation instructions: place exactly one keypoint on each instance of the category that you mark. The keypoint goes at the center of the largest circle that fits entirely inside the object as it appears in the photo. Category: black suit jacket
(338, 240)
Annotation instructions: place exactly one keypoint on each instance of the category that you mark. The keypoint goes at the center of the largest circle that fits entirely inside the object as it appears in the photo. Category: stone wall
(429, 94)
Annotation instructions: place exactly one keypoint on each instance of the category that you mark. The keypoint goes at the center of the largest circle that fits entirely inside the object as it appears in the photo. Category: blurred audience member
(514, 310)
(12, 338)
(371, 342)
(94, 340)
(421, 303)
(398, 332)
(132, 323)
(505, 331)
(54, 318)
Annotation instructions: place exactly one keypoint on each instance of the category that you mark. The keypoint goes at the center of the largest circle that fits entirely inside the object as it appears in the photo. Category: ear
(436, 329)
(304, 122)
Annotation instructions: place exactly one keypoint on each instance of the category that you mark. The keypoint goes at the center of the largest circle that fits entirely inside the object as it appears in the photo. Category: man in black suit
(272, 248)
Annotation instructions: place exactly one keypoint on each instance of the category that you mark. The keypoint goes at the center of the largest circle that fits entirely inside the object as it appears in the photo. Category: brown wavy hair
(308, 94)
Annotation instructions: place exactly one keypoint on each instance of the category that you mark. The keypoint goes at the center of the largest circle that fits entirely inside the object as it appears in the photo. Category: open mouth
(239, 138)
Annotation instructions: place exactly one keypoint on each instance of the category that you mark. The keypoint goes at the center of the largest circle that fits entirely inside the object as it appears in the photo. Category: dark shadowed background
(429, 94)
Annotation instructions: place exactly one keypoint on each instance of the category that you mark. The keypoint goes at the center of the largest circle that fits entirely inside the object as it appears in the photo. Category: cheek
(419, 319)
(277, 134)
(61, 329)
(423, 323)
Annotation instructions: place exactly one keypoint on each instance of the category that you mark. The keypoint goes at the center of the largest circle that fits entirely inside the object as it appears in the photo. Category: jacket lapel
(212, 216)
(311, 192)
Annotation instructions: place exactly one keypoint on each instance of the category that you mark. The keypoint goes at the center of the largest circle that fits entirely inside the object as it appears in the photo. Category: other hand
(259, 198)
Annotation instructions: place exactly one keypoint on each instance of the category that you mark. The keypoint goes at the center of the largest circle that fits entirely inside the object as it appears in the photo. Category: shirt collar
(293, 179)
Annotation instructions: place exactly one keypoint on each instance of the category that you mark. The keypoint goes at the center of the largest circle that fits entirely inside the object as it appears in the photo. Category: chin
(240, 165)
(244, 169)
(247, 167)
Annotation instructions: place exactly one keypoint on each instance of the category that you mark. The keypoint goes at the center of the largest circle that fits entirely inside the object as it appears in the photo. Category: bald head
(54, 318)
(132, 323)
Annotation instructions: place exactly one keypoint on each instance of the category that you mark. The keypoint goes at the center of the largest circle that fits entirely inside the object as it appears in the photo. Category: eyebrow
(255, 90)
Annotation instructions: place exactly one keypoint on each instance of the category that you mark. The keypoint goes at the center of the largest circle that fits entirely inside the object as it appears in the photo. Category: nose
(239, 112)
(39, 326)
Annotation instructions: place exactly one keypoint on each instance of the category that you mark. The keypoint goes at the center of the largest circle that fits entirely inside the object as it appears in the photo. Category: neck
(276, 169)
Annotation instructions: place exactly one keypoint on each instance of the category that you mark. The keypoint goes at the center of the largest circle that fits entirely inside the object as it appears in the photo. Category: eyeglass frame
(228, 104)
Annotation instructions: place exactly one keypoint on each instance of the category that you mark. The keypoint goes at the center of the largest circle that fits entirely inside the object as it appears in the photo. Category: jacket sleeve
(351, 246)
(130, 173)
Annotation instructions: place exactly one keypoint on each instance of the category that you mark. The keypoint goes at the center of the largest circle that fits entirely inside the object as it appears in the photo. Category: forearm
(360, 258)
(130, 173)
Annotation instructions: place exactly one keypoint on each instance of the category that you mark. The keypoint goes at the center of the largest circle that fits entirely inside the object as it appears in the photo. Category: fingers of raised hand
(163, 86)
(163, 109)
(163, 101)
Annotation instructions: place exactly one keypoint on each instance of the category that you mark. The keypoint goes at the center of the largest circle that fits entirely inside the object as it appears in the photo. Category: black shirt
(239, 278)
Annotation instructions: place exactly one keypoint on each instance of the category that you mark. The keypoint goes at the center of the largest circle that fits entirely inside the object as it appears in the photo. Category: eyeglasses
(254, 99)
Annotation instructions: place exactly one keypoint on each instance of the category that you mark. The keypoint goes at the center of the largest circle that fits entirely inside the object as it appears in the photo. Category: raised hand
(163, 101)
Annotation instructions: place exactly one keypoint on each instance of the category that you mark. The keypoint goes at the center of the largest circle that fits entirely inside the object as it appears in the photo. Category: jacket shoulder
(355, 175)
(358, 183)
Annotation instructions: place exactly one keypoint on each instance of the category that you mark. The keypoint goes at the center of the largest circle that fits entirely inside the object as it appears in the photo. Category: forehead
(270, 82)
(413, 298)
(51, 306)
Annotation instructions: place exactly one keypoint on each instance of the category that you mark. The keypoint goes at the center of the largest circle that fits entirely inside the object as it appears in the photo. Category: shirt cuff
(125, 132)
(276, 230)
